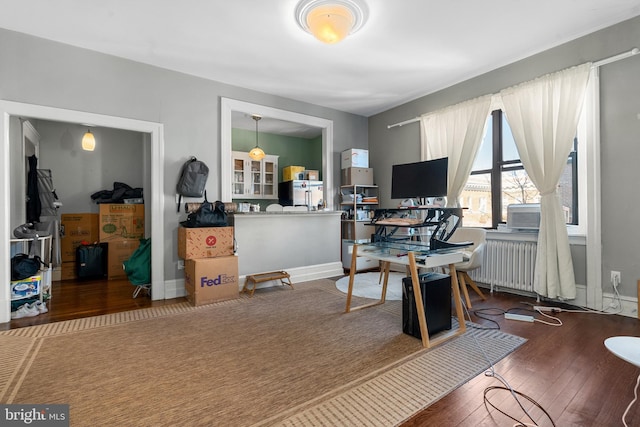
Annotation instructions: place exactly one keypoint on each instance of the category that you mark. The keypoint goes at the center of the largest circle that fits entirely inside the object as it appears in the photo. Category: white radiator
(508, 264)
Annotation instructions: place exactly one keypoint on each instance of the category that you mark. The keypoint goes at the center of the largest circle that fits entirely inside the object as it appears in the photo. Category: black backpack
(193, 178)
(208, 215)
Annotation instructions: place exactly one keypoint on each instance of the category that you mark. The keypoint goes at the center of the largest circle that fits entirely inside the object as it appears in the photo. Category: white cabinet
(254, 179)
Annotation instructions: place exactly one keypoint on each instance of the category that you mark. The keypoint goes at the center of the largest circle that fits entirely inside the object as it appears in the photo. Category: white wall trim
(156, 132)
(229, 105)
(176, 289)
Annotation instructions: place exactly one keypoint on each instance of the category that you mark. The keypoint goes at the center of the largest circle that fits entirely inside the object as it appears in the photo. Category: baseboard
(175, 288)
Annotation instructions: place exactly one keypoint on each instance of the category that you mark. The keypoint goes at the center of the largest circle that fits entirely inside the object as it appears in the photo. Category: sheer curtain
(543, 115)
(455, 132)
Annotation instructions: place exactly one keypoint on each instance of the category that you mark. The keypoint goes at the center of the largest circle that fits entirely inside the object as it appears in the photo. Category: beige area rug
(284, 357)
(369, 285)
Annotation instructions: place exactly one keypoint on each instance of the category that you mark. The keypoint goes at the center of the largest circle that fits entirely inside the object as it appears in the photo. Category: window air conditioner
(523, 216)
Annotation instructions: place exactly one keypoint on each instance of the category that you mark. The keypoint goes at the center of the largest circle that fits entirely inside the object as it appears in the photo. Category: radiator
(507, 264)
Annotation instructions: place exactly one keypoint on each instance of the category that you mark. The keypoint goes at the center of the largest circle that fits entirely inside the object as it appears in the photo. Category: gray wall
(620, 131)
(77, 173)
(43, 72)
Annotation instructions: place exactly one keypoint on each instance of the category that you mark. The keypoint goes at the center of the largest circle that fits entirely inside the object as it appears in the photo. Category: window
(498, 179)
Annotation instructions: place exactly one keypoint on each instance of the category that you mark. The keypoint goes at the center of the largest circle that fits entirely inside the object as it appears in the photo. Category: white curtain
(455, 132)
(543, 115)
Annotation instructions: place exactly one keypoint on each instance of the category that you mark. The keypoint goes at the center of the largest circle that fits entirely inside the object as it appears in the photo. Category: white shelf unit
(254, 179)
(19, 246)
(358, 203)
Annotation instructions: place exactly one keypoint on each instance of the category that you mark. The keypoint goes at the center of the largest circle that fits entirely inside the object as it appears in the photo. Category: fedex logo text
(220, 280)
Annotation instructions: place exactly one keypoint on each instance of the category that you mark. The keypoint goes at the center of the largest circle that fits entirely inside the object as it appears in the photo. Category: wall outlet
(615, 278)
(181, 265)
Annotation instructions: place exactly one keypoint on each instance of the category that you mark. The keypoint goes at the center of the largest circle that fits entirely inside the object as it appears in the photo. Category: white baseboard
(175, 288)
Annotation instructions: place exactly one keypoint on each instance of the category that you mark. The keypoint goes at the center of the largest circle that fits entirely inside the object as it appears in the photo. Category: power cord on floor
(635, 397)
(491, 372)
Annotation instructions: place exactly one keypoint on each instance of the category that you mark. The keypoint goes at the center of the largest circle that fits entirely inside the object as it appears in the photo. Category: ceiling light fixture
(88, 141)
(256, 152)
(331, 20)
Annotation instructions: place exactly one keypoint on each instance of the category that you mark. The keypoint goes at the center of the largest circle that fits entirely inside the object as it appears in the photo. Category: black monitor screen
(420, 179)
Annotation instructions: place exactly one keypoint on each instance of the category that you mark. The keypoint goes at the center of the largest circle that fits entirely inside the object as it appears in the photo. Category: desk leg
(385, 268)
(352, 273)
(417, 295)
(455, 286)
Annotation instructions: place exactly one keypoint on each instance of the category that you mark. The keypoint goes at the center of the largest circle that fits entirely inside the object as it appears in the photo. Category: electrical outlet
(181, 265)
(615, 278)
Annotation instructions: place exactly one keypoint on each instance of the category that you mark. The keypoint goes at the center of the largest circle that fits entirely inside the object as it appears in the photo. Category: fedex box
(354, 158)
(207, 280)
(205, 242)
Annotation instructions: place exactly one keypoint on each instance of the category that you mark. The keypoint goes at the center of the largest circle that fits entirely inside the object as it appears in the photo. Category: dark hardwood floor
(71, 299)
(566, 369)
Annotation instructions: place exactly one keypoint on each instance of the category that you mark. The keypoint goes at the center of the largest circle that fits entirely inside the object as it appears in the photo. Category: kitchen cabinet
(254, 179)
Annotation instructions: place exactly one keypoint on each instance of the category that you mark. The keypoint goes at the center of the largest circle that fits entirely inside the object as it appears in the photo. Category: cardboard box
(208, 280)
(121, 222)
(289, 173)
(357, 176)
(77, 228)
(26, 287)
(206, 242)
(68, 271)
(354, 158)
(118, 251)
(311, 175)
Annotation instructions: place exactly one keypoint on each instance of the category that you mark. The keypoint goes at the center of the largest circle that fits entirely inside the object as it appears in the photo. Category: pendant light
(88, 141)
(256, 152)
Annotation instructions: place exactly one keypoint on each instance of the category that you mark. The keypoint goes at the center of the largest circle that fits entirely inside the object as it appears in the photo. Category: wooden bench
(252, 280)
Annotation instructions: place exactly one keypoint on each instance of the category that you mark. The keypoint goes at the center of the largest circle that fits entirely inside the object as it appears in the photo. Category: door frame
(156, 147)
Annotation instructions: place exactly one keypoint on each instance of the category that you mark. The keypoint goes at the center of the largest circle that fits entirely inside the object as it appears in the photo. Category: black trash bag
(208, 215)
(23, 266)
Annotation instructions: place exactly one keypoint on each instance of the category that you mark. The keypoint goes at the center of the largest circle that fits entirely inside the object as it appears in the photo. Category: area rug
(283, 357)
(369, 285)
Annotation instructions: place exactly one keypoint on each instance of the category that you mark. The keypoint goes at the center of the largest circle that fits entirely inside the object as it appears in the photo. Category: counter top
(263, 213)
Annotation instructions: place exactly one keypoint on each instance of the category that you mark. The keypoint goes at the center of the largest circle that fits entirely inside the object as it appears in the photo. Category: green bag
(138, 266)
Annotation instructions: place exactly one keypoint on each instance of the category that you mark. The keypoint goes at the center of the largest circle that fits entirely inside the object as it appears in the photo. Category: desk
(414, 259)
(626, 348)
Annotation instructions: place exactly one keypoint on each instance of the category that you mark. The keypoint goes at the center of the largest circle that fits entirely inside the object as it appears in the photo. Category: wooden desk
(431, 261)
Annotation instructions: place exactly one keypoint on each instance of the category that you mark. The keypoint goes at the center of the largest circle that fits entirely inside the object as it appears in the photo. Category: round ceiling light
(331, 20)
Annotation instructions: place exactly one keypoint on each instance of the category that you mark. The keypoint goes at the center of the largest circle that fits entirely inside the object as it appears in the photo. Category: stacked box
(121, 226)
(290, 173)
(76, 228)
(354, 158)
(208, 280)
(211, 268)
(357, 176)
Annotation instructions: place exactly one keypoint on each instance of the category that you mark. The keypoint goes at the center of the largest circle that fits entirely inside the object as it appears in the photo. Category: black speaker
(436, 300)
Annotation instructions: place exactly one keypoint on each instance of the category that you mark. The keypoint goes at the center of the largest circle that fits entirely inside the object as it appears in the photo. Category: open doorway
(153, 144)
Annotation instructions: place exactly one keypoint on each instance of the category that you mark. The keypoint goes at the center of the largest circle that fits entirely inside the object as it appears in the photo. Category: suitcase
(91, 261)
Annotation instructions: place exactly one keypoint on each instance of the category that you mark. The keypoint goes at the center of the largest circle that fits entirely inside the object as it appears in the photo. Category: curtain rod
(596, 64)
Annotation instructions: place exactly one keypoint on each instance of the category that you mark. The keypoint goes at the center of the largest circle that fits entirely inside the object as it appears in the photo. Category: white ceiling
(405, 50)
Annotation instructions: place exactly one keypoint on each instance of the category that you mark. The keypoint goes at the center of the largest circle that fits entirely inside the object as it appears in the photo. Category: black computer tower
(436, 299)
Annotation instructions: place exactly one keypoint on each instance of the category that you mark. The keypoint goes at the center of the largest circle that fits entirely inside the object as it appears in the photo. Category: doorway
(153, 142)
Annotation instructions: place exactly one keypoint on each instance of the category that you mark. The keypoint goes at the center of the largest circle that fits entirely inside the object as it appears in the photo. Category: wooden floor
(566, 370)
(72, 299)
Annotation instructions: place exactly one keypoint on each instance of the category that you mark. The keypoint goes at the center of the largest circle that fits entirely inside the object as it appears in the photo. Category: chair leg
(463, 288)
(473, 285)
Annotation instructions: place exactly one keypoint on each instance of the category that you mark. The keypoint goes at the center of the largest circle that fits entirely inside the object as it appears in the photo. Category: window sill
(532, 236)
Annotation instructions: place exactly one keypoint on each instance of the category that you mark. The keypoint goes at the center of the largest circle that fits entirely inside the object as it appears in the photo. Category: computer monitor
(420, 179)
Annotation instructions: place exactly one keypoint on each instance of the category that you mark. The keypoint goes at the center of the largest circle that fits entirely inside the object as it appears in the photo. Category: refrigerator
(301, 193)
